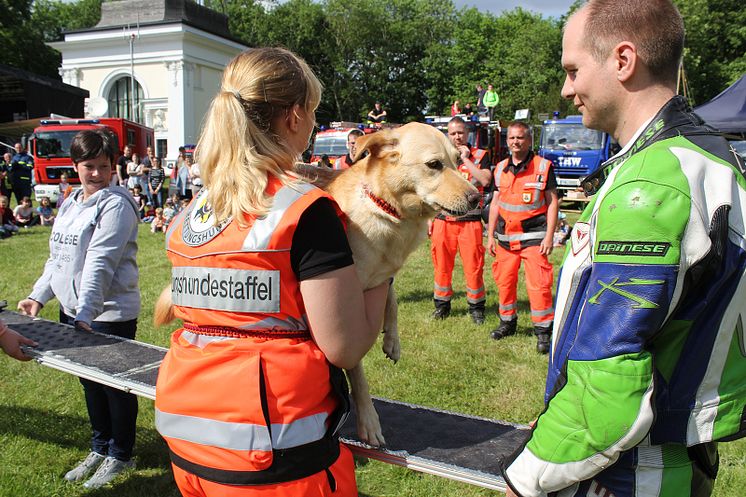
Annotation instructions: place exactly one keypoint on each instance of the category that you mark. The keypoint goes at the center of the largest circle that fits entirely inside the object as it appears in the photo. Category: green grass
(451, 365)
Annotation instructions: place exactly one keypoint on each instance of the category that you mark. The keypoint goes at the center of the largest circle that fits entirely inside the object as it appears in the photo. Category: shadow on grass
(65, 430)
(161, 485)
(74, 431)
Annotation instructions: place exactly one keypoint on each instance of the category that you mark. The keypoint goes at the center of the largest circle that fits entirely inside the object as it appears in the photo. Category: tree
(52, 18)
(518, 52)
(715, 49)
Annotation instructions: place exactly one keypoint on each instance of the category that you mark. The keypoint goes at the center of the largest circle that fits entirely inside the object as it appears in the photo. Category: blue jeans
(112, 412)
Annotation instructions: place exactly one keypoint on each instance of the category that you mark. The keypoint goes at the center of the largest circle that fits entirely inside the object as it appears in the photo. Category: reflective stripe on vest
(263, 228)
(241, 436)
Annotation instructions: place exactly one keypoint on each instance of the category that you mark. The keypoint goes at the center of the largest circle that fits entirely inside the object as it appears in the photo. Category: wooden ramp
(451, 445)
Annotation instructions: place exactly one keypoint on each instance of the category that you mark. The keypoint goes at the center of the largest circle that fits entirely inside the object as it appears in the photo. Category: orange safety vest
(477, 154)
(522, 206)
(244, 395)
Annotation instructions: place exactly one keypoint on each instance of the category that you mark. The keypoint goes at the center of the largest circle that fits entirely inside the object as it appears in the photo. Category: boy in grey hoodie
(92, 270)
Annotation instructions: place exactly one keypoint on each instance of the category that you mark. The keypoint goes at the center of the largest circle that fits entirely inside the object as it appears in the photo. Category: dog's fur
(413, 170)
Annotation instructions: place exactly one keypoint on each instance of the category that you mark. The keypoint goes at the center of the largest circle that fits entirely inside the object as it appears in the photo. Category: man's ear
(378, 144)
(625, 60)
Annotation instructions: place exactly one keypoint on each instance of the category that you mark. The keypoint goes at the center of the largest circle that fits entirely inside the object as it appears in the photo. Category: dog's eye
(434, 164)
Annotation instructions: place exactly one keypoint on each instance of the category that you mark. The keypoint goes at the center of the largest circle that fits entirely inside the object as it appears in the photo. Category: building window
(120, 99)
(161, 147)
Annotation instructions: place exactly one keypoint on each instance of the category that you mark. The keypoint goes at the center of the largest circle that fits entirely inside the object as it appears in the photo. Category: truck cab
(483, 133)
(50, 147)
(332, 141)
(575, 150)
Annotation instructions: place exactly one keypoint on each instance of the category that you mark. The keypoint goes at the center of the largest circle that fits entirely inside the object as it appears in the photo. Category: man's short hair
(654, 26)
(520, 124)
(90, 143)
(457, 120)
(354, 132)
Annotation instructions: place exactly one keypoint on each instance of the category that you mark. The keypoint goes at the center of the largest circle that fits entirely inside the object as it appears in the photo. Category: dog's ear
(379, 144)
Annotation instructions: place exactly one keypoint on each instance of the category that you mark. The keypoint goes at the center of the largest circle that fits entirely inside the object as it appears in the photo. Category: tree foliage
(416, 56)
(715, 51)
(26, 25)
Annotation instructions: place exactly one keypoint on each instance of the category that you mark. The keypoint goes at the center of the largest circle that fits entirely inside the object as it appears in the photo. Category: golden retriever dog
(407, 177)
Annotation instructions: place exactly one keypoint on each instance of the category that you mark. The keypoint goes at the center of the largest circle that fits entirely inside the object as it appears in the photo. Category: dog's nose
(473, 199)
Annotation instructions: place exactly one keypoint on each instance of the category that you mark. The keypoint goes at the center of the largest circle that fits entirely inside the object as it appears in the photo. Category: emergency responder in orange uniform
(251, 394)
(462, 234)
(346, 160)
(524, 210)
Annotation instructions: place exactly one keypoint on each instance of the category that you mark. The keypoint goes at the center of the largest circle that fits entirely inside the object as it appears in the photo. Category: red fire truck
(50, 147)
(332, 141)
(483, 133)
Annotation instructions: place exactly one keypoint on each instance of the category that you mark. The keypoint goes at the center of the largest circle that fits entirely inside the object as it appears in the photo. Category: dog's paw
(392, 346)
(369, 430)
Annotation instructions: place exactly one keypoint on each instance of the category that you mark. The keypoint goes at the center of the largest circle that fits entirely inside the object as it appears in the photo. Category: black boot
(476, 312)
(442, 309)
(543, 339)
(505, 329)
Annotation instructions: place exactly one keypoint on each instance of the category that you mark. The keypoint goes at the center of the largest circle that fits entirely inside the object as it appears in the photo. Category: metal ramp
(451, 445)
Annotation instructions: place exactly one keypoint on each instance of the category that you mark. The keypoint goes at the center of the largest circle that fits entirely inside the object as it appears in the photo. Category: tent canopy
(727, 111)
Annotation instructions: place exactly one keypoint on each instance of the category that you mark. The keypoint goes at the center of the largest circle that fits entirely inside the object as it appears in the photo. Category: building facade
(177, 51)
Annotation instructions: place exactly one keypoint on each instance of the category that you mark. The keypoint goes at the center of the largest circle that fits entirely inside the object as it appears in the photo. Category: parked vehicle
(483, 133)
(575, 150)
(332, 141)
(50, 147)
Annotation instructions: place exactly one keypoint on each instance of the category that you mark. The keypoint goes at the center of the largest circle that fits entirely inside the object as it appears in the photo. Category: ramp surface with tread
(447, 444)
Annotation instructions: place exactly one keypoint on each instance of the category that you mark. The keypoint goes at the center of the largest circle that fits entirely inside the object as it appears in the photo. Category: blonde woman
(251, 393)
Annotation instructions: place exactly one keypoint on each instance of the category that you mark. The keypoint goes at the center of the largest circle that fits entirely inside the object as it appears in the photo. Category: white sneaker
(90, 463)
(107, 471)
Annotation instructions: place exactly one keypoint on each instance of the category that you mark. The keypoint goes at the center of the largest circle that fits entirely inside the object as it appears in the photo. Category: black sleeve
(320, 243)
(551, 179)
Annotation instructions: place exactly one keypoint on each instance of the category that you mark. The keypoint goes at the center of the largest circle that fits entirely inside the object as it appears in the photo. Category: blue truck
(575, 150)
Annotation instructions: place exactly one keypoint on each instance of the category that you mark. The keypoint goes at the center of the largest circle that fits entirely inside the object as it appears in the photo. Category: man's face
(7, 157)
(589, 84)
(519, 141)
(149, 151)
(457, 133)
(127, 152)
(351, 143)
(19, 148)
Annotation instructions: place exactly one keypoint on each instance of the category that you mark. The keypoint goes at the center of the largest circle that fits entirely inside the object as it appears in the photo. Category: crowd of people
(646, 372)
(145, 179)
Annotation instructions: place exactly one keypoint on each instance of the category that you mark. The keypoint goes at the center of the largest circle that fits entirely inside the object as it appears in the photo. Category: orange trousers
(464, 237)
(317, 485)
(539, 279)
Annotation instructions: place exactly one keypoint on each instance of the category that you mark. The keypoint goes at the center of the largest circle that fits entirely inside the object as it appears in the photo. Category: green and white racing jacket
(649, 344)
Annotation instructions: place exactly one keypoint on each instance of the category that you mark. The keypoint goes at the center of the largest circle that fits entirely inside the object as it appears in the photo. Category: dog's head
(416, 166)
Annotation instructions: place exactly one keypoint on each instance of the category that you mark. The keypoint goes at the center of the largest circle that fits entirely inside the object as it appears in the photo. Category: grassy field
(451, 365)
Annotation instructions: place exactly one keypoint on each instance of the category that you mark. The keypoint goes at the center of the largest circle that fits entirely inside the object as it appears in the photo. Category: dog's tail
(164, 309)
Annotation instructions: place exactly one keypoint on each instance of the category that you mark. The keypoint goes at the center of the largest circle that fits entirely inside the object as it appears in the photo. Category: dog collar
(381, 203)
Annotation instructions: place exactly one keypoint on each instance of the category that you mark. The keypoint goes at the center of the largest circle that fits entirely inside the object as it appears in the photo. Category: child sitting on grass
(46, 213)
(149, 213)
(24, 213)
(7, 220)
(159, 222)
(168, 210)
